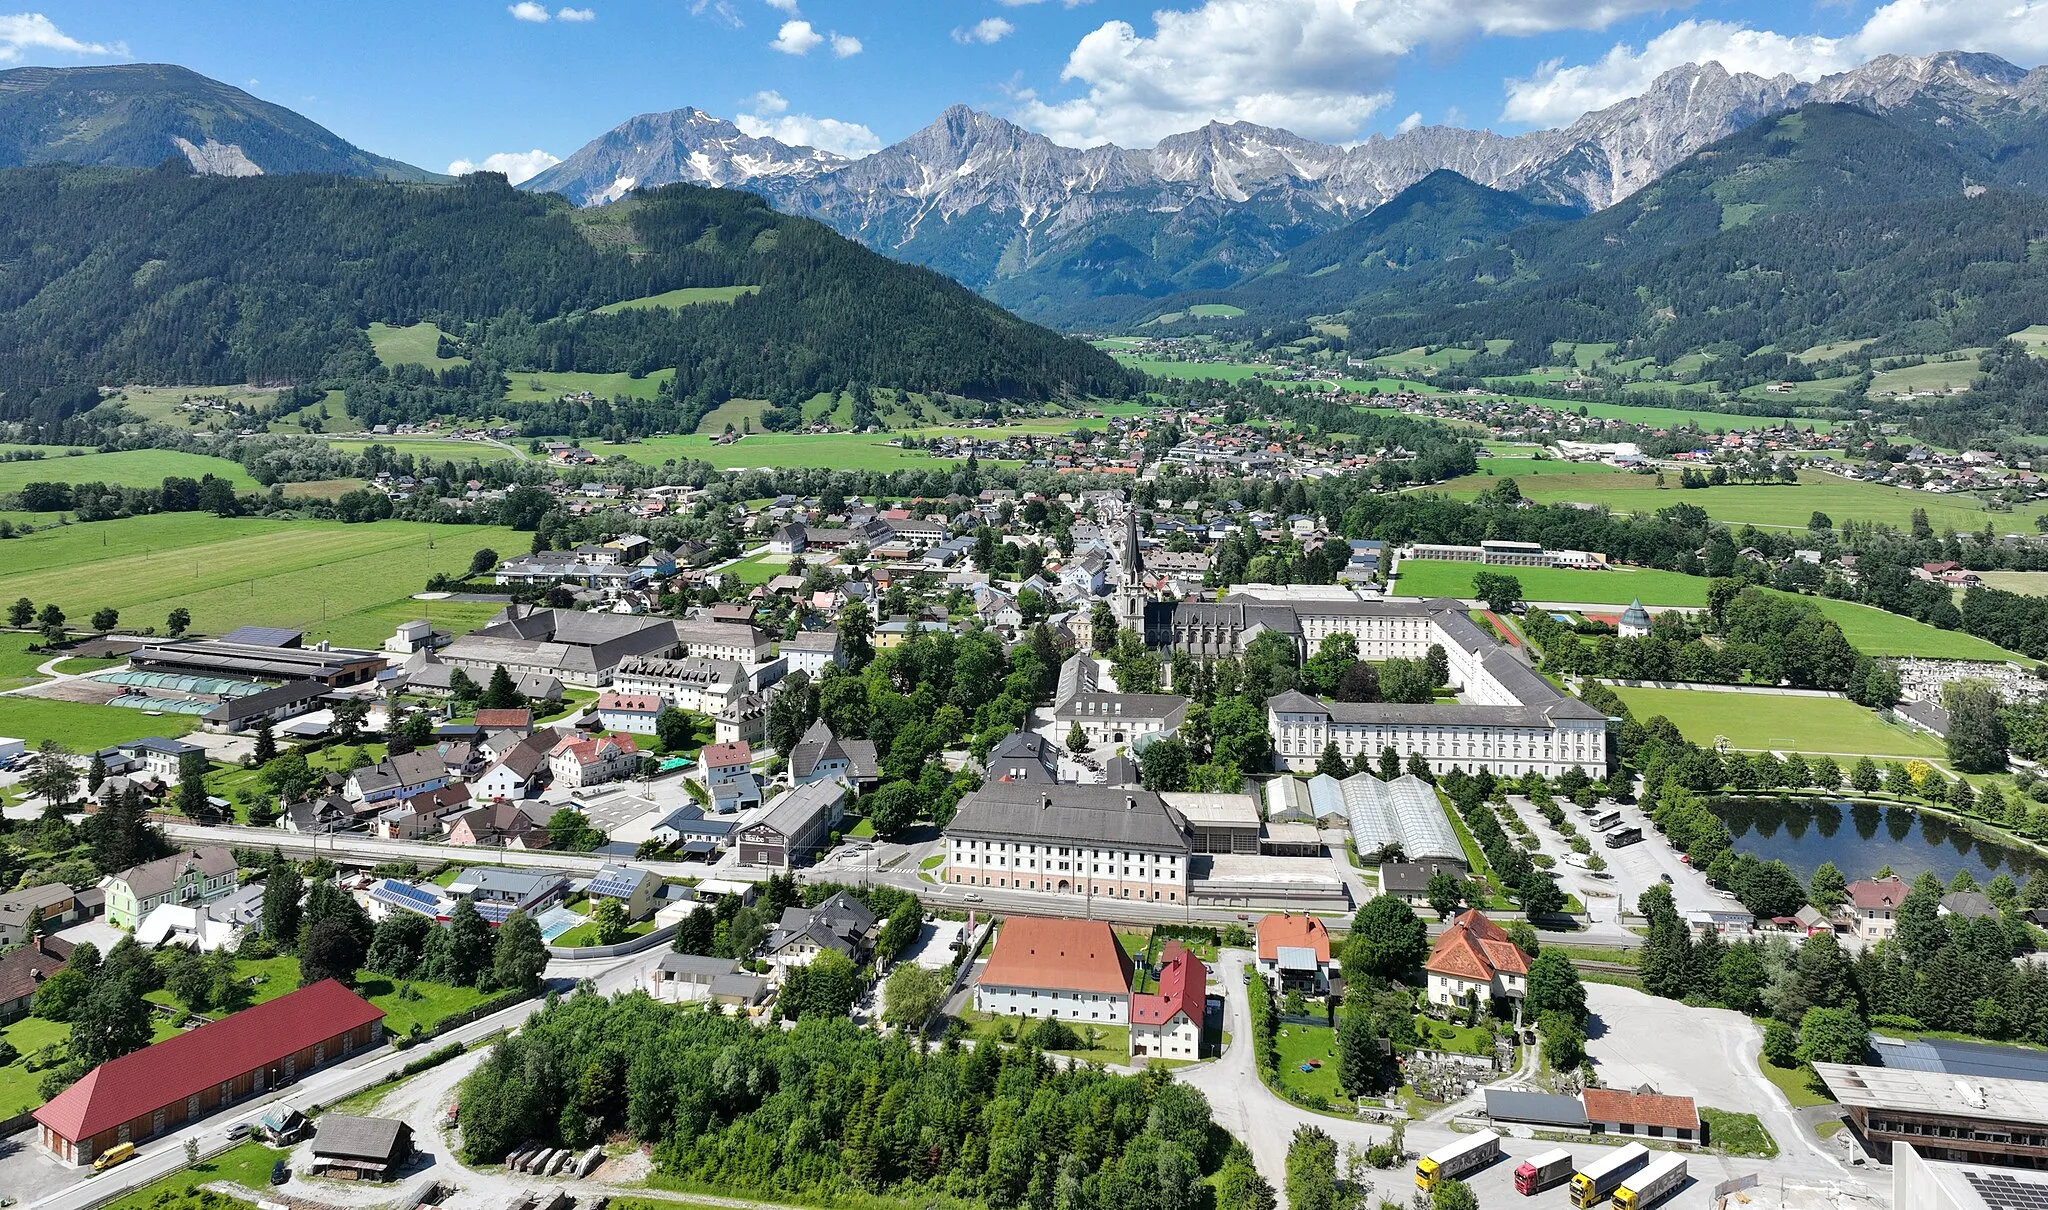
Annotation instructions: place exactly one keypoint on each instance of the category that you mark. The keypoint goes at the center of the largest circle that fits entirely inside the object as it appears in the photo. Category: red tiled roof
(1641, 1109)
(501, 720)
(1477, 949)
(1871, 894)
(1294, 932)
(716, 756)
(121, 1090)
(1183, 981)
(1064, 955)
(630, 703)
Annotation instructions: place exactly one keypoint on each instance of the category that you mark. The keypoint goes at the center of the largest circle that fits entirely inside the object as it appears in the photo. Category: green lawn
(739, 413)
(415, 345)
(1227, 371)
(1525, 468)
(371, 626)
(1875, 632)
(688, 296)
(82, 727)
(1738, 1134)
(247, 1165)
(1215, 311)
(314, 575)
(586, 934)
(273, 978)
(1756, 721)
(433, 449)
(126, 468)
(1799, 1084)
(17, 663)
(830, 451)
(1112, 1042)
(1441, 578)
(1299, 1044)
(544, 386)
(761, 568)
(1785, 506)
(1436, 1034)
(1944, 375)
(17, 1082)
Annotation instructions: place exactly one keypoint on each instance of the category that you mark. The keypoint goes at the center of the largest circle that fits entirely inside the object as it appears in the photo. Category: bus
(1456, 1159)
(1592, 1184)
(1610, 820)
(1540, 1172)
(1624, 837)
(1648, 1187)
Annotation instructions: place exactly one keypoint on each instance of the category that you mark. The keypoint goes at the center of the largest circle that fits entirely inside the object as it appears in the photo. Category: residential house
(23, 970)
(58, 903)
(199, 875)
(519, 721)
(421, 817)
(1409, 880)
(1872, 910)
(725, 762)
(813, 651)
(396, 777)
(797, 825)
(1475, 957)
(635, 890)
(498, 825)
(1074, 970)
(746, 718)
(682, 978)
(152, 755)
(578, 762)
(631, 713)
(820, 755)
(1167, 1024)
(1294, 952)
(1024, 756)
(522, 772)
(841, 924)
(698, 834)
(1970, 905)
(498, 892)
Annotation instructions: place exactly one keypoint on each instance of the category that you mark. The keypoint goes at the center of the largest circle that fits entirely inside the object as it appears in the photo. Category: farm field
(160, 403)
(1928, 376)
(324, 489)
(438, 449)
(1836, 349)
(1520, 468)
(831, 451)
(688, 296)
(2027, 583)
(736, 412)
(418, 345)
(1757, 721)
(544, 386)
(128, 468)
(2034, 338)
(1782, 506)
(1442, 578)
(1227, 371)
(1875, 632)
(314, 575)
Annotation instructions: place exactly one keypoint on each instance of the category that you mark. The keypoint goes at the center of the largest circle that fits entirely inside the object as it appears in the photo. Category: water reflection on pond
(1860, 838)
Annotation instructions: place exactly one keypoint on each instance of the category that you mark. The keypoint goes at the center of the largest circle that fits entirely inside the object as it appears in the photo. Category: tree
(1833, 1035)
(520, 956)
(1864, 776)
(1828, 889)
(1165, 765)
(192, 802)
(1239, 1185)
(469, 947)
(1564, 1041)
(1390, 763)
(485, 559)
(1359, 1062)
(1742, 977)
(1312, 1171)
(893, 807)
(1554, 987)
(1539, 895)
(60, 995)
(51, 621)
(1781, 1044)
(1332, 762)
(607, 919)
(179, 621)
(1976, 736)
(824, 987)
(500, 693)
(21, 613)
(1077, 739)
(1500, 591)
(266, 743)
(282, 890)
(1387, 940)
(674, 729)
(52, 777)
(856, 635)
(911, 996)
(349, 716)
(112, 1020)
(397, 944)
(569, 828)
(1445, 893)
(105, 618)
(329, 950)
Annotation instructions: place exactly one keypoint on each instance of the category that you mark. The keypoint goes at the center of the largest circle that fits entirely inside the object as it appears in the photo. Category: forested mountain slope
(111, 276)
(137, 115)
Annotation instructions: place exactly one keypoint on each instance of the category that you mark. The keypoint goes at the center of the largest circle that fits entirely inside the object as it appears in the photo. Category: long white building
(1072, 842)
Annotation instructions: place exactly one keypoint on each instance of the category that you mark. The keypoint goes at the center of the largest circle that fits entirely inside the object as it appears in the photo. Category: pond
(1861, 838)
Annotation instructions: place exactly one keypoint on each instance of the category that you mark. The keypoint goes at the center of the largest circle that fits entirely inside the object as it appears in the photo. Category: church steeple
(1133, 567)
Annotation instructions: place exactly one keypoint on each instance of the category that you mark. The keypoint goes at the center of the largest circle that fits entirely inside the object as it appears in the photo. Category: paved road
(27, 1168)
(375, 849)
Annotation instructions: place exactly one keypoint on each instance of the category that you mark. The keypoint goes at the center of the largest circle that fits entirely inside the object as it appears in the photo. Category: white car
(971, 897)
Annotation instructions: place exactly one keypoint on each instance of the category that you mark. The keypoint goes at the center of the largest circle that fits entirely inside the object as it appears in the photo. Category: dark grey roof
(153, 878)
(360, 1138)
(1120, 770)
(1536, 1108)
(1448, 714)
(697, 964)
(1412, 877)
(264, 636)
(1162, 708)
(1972, 1059)
(796, 812)
(1128, 818)
(235, 709)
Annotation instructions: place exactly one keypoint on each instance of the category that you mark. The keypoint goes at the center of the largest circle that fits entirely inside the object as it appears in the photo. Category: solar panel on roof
(1973, 1059)
(615, 885)
(2006, 1191)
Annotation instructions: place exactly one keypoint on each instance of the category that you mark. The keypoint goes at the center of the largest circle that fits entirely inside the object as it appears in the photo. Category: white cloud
(721, 11)
(575, 14)
(1319, 67)
(1410, 122)
(22, 32)
(787, 6)
(845, 46)
(516, 165)
(1555, 94)
(527, 10)
(771, 119)
(986, 31)
(797, 38)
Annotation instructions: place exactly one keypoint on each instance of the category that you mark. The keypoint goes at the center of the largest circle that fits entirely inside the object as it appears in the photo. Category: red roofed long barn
(183, 1078)
(1070, 969)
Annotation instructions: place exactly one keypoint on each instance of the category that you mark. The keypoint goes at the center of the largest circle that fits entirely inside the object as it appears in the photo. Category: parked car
(280, 1173)
(1667, 879)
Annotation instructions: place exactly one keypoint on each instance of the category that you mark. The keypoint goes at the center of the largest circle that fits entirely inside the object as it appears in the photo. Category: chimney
(39, 944)
(1130, 802)
(1045, 802)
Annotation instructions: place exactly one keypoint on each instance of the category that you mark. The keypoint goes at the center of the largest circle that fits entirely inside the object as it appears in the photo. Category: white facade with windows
(1078, 841)
(1099, 1007)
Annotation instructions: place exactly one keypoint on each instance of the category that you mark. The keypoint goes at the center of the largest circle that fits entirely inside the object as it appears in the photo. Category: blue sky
(441, 82)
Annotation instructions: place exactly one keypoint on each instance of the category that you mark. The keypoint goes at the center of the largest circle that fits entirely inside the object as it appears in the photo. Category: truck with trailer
(1456, 1159)
(1540, 1172)
(1592, 1184)
(1653, 1184)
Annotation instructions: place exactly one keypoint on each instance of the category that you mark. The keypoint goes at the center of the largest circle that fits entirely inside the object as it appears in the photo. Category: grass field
(322, 576)
(1227, 371)
(160, 403)
(1299, 1044)
(1828, 352)
(128, 468)
(82, 727)
(541, 387)
(18, 664)
(2026, 583)
(1434, 578)
(17, 1082)
(833, 451)
(760, 568)
(417, 345)
(688, 296)
(436, 449)
(1520, 468)
(1928, 376)
(247, 1165)
(1875, 632)
(1215, 311)
(1738, 1134)
(736, 412)
(2034, 338)
(1784, 506)
(1756, 721)
(1799, 1084)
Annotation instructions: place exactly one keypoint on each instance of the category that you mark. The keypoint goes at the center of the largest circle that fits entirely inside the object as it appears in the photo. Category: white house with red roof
(1872, 912)
(1167, 1024)
(1294, 952)
(1474, 955)
(593, 760)
(634, 713)
(724, 762)
(1070, 969)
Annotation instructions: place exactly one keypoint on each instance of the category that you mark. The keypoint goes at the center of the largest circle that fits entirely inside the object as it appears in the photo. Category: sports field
(1783, 506)
(543, 387)
(688, 296)
(126, 468)
(333, 580)
(416, 345)
(1442, 578)
(1759, 721)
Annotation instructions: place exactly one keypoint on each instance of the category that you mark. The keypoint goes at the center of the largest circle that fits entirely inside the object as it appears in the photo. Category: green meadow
(688, 296)
(1762, 721)
(544, 386)
(124, 468)
(418, 345)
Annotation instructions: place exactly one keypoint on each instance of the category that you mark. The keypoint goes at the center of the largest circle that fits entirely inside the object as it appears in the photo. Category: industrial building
(1950, 1118)
(261, 655)
(1404, 813)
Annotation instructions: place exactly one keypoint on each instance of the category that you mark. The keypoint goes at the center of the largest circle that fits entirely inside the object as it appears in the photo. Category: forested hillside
(111, 276)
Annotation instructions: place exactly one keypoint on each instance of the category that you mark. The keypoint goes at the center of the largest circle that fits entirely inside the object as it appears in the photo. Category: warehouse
(1402, 814)
(1946, 1117)
(186, 1077)
(334, 667)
